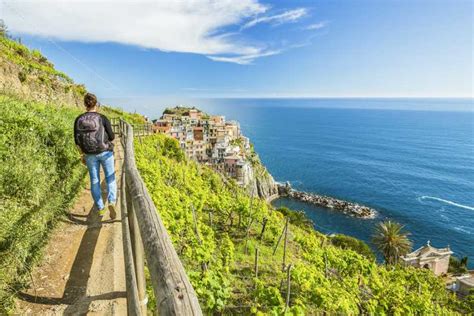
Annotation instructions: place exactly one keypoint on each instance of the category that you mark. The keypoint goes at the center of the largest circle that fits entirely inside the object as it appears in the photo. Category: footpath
(82, 271)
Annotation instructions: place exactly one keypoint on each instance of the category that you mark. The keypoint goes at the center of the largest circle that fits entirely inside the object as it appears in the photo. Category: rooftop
(428, 251)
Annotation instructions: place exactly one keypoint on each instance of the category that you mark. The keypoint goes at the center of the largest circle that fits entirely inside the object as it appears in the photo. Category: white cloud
(316, 26)
(206, 27)
(244, 59)
(285, 17)
(174, 26)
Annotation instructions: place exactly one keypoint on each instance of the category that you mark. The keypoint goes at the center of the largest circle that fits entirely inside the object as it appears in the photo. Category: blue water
(415, 167)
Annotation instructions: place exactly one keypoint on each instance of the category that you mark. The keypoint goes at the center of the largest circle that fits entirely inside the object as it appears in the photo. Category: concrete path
(82, 272)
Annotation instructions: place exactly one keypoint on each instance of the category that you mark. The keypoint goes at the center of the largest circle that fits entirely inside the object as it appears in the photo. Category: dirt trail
(83, 267)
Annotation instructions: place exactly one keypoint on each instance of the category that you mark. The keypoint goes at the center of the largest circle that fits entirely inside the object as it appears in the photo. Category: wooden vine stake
(325, 265)
(196, 231)
(285, 244)
(279, 238)
(210, 219)
(264, 224)
(288, 287)
(256, 263)
(247, 233)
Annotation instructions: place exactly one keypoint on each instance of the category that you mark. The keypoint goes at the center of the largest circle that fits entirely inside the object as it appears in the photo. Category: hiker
(93, 136)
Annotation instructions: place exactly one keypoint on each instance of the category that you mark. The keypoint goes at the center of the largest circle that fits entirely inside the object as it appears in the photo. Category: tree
(347, 242)
(3, 29)
(457, 266)
(391, 240)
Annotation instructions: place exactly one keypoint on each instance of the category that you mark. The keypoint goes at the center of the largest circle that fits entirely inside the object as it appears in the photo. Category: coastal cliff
(262, 183)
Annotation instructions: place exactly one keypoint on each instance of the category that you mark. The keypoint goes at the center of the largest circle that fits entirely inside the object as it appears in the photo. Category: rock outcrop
(349, 208)
(262, 184)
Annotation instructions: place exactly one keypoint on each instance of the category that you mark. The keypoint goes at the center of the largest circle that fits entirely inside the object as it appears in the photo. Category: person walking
(93, 136)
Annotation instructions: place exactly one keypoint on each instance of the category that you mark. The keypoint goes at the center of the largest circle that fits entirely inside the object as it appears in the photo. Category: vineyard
(245, 257)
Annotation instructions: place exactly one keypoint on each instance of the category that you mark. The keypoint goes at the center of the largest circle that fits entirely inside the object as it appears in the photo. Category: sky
(254, 48)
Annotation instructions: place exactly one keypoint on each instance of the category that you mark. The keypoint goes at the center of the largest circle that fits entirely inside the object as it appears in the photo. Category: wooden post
(138, 255)
(264, 224)
(133, 301)
(210, 219)
(288, 287)
(256, 263)
(247, 233)
(285, 244)
(231, 218)
(279, 239)
(196, 231)
(325, 265)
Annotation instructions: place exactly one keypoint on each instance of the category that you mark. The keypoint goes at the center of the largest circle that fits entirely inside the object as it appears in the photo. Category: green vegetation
(297, 218)
(457, 266)
(391, 240)
(347, 242)
(40, 174)
(219, 258)
(132, 118)
(31, 60)
(34, 66)
(181, 110)
(468, 302)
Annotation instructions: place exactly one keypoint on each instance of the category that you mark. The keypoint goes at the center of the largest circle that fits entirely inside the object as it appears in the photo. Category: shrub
(347, 242)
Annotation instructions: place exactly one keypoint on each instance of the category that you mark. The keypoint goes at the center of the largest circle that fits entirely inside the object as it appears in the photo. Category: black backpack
(91, 133)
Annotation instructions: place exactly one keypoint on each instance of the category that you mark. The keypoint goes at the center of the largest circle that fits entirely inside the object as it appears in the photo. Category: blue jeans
(93, 162)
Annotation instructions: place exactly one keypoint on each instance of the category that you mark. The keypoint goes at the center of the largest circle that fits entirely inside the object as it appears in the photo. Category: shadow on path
(75, 291)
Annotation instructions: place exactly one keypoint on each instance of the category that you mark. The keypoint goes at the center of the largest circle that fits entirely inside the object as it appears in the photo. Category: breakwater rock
(349, 208)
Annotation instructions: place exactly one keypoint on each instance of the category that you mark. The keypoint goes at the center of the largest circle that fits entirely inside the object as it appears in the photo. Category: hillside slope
(29, 75)
(40, 170)
(219, 257)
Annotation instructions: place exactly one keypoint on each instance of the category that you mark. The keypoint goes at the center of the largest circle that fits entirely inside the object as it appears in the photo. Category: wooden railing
(145, 237)
(138, 129)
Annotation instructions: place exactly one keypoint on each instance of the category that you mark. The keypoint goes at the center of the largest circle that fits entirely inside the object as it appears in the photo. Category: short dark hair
(90, 100)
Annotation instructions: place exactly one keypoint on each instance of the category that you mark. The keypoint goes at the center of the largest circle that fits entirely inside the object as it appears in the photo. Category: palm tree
(391, 240)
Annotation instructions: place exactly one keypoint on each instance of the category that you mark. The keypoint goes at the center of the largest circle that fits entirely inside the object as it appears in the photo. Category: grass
(40, 174)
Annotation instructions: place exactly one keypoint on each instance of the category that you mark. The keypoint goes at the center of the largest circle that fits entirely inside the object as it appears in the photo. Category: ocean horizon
(410, 159)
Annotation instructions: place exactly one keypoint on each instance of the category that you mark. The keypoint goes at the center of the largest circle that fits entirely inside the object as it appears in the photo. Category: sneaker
(102, 212)
(113, 214)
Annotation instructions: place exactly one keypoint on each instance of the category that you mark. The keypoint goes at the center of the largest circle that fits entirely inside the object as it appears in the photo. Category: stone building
(429, 257)
(464, 284)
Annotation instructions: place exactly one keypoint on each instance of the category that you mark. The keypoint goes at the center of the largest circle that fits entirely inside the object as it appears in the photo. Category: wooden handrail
(173, 291)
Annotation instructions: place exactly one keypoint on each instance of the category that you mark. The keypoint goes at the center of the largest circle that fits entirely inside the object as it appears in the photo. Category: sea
(410, 159)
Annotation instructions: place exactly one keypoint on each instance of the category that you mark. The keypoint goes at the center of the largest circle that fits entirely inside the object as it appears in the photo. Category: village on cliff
(210, 140)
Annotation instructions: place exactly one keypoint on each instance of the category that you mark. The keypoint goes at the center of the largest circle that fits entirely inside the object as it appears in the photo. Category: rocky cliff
(262, 183)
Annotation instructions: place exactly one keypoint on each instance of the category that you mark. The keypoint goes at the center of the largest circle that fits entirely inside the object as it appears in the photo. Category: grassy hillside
(31, 76)
(40, 174)
(220, 259)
